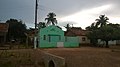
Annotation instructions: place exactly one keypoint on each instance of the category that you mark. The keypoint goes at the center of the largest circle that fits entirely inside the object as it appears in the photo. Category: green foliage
(15, 58)
(92, 27)
(102, 21)
(41, 25)
(51, 19)
(105, 32)
(16, 30)
(67, 26)
(109, 32)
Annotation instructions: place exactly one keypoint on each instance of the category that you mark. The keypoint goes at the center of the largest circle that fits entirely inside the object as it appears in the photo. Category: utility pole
(36, 7)
(35, 38)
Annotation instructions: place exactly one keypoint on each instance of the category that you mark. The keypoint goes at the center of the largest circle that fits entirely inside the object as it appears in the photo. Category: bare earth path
(87, 56)
(75, 57)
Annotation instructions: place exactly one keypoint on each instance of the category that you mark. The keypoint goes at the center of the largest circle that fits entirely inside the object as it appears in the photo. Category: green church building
(53, 36)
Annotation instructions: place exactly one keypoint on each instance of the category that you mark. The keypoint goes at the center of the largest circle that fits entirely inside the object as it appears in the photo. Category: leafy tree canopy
(41, 25)
(105, 32)
(16, 30)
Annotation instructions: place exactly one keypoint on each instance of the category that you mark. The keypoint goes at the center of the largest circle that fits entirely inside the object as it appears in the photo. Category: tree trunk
(107, 46)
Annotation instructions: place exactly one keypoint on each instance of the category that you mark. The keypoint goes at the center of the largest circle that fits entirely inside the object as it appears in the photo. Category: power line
(45, 8)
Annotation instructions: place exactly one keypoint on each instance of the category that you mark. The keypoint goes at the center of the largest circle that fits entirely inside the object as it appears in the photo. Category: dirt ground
(88, 56)
(21, 58)
(74, 57)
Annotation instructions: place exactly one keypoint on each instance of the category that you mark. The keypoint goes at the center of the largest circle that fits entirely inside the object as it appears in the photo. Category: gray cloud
(24, 9)
(65, 23)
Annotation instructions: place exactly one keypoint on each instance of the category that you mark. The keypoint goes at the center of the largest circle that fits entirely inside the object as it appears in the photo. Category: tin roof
(76, 32)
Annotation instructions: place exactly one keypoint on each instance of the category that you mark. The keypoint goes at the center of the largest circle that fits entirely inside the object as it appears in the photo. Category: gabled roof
(51, 30)
(74, 31)
(51, 27)
(4, 27)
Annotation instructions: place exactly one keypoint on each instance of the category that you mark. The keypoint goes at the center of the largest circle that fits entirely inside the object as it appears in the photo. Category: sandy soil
(88, 56)
(74, 57)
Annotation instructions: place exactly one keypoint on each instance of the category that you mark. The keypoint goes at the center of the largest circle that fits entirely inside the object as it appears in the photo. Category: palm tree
(41, 25)
(102, 21)
(51, 19)
(67, 26)
(91, 27)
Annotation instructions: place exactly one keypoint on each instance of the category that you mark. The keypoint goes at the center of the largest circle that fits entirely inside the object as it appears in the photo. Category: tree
(105, 32)
(109, 32)
(16, 30)
(92, 35)
(67, 26)
(116, 29)
(51, 19)
(102, 21)
(91, 27)
(41, 25)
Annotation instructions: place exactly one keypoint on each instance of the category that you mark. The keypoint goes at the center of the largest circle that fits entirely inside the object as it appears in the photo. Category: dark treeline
(16, 31)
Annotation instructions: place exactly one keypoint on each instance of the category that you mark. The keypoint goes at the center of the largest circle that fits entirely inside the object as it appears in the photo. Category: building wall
(57, 60)
(109, 42)
(2, 37)
(49, 36)
(71, 42)
(118, 42)
(3, 32)
(52, 36)
(84, 40)
(67, 42)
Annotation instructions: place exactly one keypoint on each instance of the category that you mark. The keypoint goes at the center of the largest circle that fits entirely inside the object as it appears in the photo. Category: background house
(53, 36)
(3, 32)
(77, 31)
(30, 36)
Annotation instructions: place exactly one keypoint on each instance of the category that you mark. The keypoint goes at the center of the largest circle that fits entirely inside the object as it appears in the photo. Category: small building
(3, 32)
(30, 36)
(77, 31)
(53, 36)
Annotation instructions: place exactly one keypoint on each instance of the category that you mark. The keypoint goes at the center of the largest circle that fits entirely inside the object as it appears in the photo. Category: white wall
(118, 42)
(109, 42)
(84, 40)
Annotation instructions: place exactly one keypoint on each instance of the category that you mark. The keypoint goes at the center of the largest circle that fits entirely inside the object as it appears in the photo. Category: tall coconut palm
(51, 19)
(102, 21)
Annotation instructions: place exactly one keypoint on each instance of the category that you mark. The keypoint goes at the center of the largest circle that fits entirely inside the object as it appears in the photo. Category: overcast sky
(80, 13)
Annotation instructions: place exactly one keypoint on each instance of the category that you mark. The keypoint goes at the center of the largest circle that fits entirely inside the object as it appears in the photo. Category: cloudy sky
(80, 13)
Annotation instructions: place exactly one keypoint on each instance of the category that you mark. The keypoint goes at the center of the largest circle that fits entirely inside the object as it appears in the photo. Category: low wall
(51, 60)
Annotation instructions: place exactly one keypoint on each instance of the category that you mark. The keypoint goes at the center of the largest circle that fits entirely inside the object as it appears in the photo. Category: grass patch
(16, 58)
